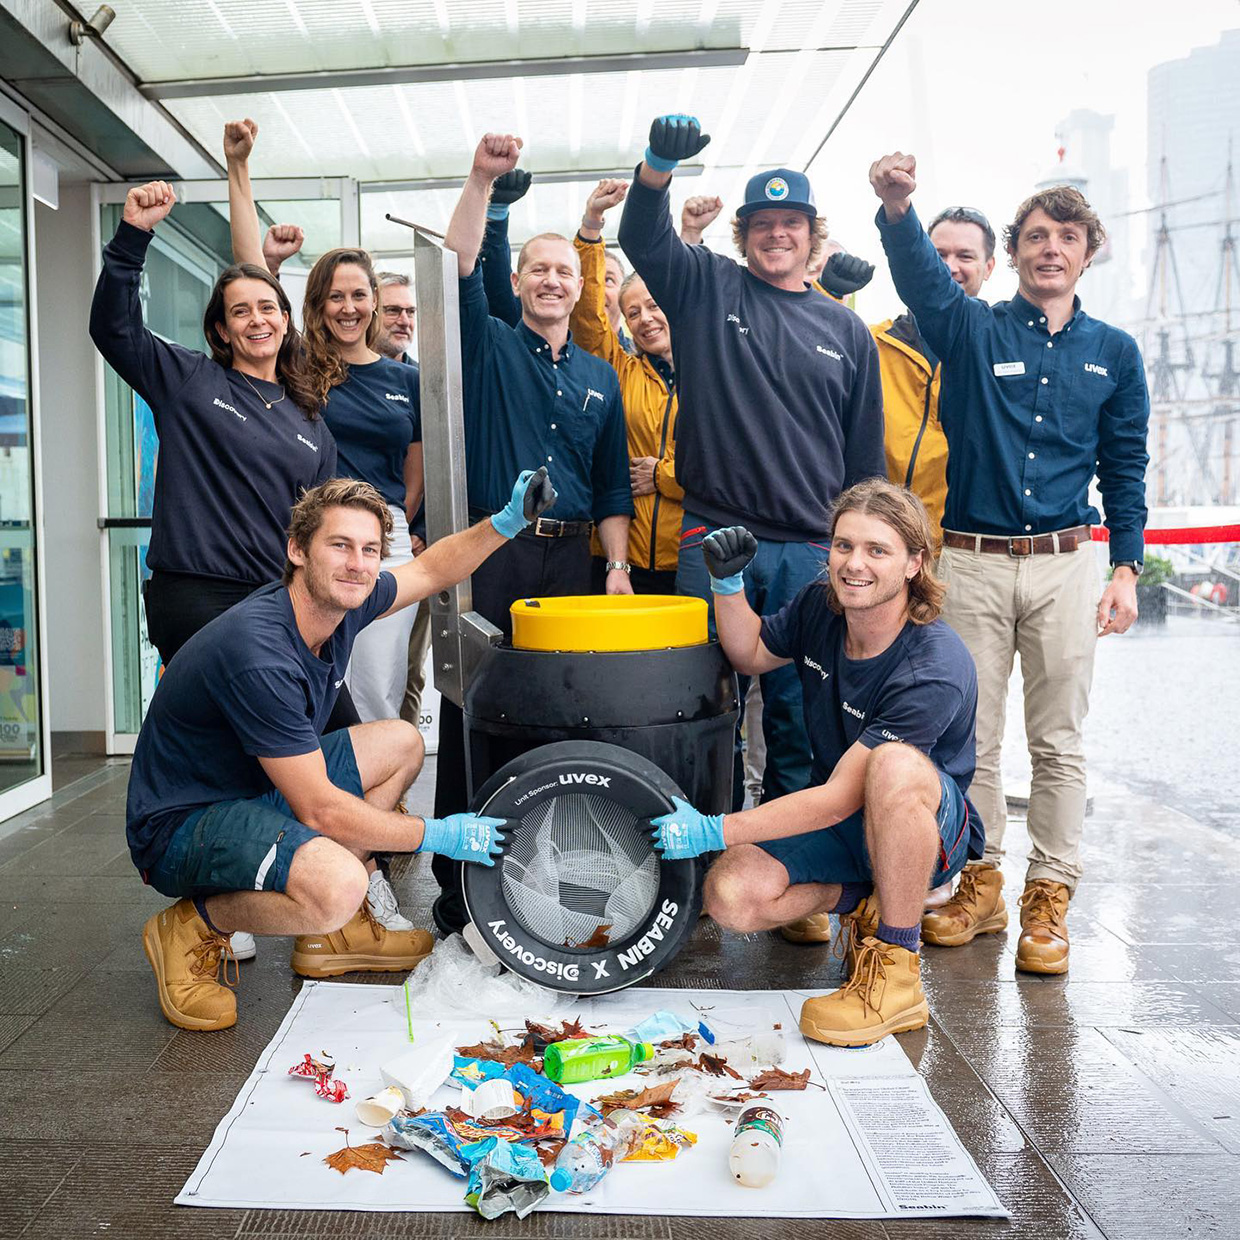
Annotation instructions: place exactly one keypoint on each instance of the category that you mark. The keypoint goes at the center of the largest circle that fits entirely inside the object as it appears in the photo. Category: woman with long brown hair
(371, 404)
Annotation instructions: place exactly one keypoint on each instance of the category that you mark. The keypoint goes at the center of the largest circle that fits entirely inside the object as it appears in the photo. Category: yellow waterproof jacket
(650, 408)
(914, 442)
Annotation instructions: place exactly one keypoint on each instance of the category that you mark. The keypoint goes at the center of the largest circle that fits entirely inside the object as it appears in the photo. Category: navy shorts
(245, 845)
(838, 854)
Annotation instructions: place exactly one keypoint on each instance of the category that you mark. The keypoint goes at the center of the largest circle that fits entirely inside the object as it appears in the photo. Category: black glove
(672, 138)
(727, 551)
(845, 273)
(511, 187)
(539, 494)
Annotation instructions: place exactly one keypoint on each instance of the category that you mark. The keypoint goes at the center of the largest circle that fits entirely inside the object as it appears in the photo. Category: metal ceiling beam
(463, 71)
(564, 177)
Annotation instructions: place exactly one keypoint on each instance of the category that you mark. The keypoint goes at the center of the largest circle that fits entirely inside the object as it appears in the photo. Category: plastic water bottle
(756, 1146)
(591, 1059)
(757, 1050)
(598, 1145)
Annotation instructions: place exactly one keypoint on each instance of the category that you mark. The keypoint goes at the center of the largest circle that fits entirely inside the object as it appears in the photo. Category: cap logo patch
(777, 189)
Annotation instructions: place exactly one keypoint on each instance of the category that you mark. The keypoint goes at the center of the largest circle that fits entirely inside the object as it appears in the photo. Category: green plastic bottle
(592, 1059)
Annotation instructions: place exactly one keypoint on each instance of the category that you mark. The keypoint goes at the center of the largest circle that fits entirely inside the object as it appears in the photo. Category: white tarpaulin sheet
(871, 1144)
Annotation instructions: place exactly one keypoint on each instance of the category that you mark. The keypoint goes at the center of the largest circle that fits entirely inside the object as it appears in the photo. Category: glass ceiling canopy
(396, 93)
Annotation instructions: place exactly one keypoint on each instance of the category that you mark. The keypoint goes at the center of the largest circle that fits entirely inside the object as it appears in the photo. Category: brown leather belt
(1023, 544)
(548, 527)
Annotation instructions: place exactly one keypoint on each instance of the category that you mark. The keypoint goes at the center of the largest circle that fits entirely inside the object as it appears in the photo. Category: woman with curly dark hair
(239, 432)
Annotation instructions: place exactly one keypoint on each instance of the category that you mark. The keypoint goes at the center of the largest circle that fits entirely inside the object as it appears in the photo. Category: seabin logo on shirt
(396, 396)
(338, 684)
(1091, 369)
(816, 666)
(313, 446)
(732, 318)
(220, 404)
(852, 710)
(829, 352)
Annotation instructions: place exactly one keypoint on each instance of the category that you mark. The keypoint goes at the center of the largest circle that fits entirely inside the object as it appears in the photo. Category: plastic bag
(452, 979)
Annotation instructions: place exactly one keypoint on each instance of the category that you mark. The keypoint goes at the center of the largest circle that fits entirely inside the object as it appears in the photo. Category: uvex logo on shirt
(230, 409)
(396, 396)
(829, 352)
(852, 710)
(313, 446)
(1092, 369)
(816, 666)
(1009, 368)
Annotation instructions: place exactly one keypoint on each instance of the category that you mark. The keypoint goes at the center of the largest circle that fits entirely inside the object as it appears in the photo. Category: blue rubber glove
(687, 833)
(673, 137)
(531, 496)
(463, 837)
(726, 553)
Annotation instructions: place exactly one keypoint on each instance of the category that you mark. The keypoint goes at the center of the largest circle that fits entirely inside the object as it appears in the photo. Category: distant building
(1085, 162)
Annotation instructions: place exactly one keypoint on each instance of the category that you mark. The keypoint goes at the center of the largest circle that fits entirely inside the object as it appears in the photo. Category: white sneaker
(243, 947)
(383, 904)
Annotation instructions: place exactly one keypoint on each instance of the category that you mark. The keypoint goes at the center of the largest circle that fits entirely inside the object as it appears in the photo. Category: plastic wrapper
(435, 1134)
(543, 1095)
(472, 1072)
(452, 979)
(661, 1144)
(320, 1072)
(504, 1177)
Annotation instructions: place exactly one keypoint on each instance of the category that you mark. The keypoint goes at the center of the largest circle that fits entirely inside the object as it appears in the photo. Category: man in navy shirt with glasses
(1037, 400)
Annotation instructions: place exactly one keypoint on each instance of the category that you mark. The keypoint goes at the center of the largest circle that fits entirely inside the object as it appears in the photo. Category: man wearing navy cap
(780, 397)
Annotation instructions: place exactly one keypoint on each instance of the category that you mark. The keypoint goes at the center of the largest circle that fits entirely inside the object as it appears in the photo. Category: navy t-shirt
(921, 690)
(244, 687)
(374, 415)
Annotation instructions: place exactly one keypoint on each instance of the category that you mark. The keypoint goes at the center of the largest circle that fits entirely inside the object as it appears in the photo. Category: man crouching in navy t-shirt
(240, 809)
(890, 697)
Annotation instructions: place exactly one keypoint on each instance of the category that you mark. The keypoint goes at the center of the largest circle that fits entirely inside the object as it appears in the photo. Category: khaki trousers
(419, 643)
(1043, 607)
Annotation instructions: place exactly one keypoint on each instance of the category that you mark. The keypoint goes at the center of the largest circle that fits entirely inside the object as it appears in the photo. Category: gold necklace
(266, 402)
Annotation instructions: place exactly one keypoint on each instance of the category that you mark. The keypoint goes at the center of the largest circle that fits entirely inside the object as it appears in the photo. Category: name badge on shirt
(1009, 368)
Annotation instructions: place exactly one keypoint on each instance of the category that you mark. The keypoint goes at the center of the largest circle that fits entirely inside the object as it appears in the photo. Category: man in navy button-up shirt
(532, 396)
(1037, 400)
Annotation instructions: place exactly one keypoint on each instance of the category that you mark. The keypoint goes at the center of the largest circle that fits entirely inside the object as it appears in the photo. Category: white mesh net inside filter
(578, 863)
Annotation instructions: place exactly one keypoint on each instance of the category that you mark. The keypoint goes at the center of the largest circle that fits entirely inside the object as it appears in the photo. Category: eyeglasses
(395, 312)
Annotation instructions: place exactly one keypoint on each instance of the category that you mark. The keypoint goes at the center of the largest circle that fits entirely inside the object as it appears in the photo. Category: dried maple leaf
(686, 1042)
(507, 1055)
(742, 1097)
(717, 1065)
(657, 1100)
(777, 1078)
(374, 1156)
(545, 1034)
(600, 938)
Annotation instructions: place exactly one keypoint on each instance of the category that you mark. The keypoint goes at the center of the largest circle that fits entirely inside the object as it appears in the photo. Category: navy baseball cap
(781, 187)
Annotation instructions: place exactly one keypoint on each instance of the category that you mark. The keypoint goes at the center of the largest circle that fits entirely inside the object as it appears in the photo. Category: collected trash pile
(518, 1134)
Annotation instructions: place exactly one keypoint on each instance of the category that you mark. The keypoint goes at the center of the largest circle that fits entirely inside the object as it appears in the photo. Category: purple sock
(908, 937)
(200, 903)
(851, 894)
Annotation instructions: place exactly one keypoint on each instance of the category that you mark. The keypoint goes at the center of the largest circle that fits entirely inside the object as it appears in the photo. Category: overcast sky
(975, 89)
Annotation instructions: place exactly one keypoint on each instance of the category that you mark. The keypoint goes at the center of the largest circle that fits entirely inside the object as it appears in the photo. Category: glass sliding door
(23, 762)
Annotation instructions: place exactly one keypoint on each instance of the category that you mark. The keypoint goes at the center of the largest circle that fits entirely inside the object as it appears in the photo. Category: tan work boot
(854, 926)
(361, 945)
(185, 954)
(976, 908)
(882, 996)
(1043, 944)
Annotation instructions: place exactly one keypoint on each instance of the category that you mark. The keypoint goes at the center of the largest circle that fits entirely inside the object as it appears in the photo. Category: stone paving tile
(84, 935)
(1072, 1090)
(12, 1026)
(541, 1225)
(125, 1190)
(1225, 995)
(1140, 1197)
(29, 991)
(30, 1173)
(764, 1228)
(1217, 961)
(86, 853)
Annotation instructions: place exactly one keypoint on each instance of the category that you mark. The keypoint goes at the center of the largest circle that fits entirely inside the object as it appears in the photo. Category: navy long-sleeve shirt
(230, 469)
(780, 396)
(1029, 417)
(524, 409)
(495, 259)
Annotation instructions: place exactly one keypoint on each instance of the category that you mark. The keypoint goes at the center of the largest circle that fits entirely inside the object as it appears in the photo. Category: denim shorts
(838, 854)
(245, 845)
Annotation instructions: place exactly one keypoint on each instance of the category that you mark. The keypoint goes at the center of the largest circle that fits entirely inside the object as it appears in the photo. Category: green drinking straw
(408, 1011)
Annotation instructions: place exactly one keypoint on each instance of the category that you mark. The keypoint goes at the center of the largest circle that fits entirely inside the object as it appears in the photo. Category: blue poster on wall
(145, 456)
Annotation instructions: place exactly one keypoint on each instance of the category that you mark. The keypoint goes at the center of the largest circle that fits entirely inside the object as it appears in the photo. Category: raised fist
(497, 153)
(539, 494)
(146, 205)
(894, 178)
(698, 214)
(727, 551)
(239, 140)
(511, 187)
(845, 273)
(606, 194)
(672, 138)
(282, 241)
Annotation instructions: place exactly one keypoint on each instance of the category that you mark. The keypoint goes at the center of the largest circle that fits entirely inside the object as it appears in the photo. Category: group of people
(879, 518)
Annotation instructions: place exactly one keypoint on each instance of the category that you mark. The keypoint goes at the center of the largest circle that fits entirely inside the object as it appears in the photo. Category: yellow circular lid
(593, 622)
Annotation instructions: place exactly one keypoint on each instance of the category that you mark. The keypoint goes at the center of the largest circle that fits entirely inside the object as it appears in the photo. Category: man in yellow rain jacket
(648, 390)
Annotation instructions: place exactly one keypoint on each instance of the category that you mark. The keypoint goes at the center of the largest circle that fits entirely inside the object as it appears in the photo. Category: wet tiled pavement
(1103, 1103)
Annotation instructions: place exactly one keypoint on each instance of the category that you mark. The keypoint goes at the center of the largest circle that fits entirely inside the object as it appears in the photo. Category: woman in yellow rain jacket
(648, 387)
